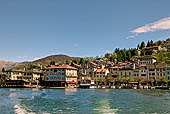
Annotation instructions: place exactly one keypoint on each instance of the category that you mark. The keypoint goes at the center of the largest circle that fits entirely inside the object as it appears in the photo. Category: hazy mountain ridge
(44, 61)
(55, 58)
(9, 65)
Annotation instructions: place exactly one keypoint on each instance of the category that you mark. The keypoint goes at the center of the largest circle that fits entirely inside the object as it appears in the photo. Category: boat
(92, 85)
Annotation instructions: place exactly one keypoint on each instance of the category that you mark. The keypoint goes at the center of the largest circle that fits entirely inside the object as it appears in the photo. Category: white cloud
(37, 58)
(162, 24)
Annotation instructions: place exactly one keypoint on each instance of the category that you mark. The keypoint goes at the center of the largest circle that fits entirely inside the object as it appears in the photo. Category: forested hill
(55, 58)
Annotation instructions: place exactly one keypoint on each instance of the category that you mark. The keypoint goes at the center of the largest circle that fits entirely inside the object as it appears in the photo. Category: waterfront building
(30, 78)
(61, 76)
(2, 79)
(156, 71)
(100, 75)
(81, 70)
(167, 71)
(126, 72)
(114, 70)
(143, 72)
(136, 73)
(84, 79)
(167, 47)
(91, 68)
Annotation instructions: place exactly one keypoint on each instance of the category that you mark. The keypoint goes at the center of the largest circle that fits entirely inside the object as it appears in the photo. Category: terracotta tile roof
(155, 46)
(150, 47)
(155, 51)
(94, 63)
(77, 65)
(101, 70)
(62, 67)
(115, 67)
(147, 57)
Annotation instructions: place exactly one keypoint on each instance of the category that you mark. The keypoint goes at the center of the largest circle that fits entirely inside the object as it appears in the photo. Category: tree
(107, 55)
(151, 43)
(68, 61)
(119, 56)
(52, 63)
(128, 55)
(123, 80)
(138, 47)
(3, 69)
(59, 63)
(168, 41)
(123, 52)
(160, 43)
(82, 61)
(134, 52)
(155, 44)
(131, 79)
(148, 44)
(142, 45)
(113, 57)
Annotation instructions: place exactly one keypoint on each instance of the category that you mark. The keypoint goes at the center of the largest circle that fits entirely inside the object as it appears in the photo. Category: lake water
(84, 101)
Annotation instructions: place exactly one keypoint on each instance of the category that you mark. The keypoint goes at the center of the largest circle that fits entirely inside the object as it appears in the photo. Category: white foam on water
(105, 108)
(20, 110)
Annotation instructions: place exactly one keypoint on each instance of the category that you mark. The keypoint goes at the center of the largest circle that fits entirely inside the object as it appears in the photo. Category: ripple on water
(54, 101)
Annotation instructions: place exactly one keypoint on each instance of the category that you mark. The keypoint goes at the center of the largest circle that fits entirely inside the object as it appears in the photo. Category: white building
(61, 76)
(100, 75)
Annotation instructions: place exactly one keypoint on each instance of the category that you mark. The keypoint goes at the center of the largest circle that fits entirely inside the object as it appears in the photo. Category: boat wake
(20, 110)
(105, 108)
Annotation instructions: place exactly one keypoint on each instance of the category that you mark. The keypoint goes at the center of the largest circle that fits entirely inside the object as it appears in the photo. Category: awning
(70, 82)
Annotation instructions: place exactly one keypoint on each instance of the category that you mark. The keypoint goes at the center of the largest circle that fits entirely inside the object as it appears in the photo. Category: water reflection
(12, 89)
(104, 107)
(70, 91)
(12, 95)
(87, 101)
(154, 93)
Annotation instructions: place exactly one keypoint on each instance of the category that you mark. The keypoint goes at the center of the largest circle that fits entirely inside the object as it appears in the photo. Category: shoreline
(90, 88)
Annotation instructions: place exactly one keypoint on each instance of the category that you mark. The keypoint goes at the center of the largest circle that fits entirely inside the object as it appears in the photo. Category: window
(55, 70)
(121, 73)
(143, 74)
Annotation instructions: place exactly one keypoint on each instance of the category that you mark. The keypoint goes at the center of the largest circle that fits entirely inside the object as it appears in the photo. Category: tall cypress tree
(3, 69)
(151, 43)
(148, 44)
(142, 45)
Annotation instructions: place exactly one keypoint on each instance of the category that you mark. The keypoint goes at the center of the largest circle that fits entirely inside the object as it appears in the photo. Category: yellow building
(30, 78)
(125, 72)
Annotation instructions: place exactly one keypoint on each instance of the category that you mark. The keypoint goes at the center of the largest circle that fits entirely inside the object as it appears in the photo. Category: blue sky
(31, 29)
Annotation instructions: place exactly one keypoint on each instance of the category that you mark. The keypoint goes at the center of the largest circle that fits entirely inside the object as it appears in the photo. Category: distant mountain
(9, 65)
(55, 58)
(44, 61)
